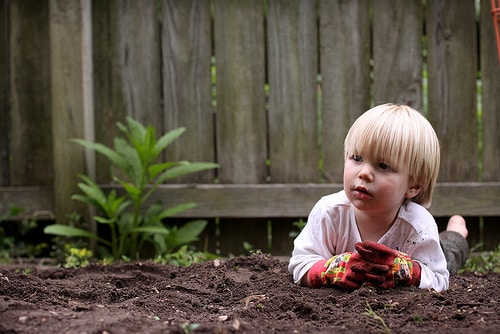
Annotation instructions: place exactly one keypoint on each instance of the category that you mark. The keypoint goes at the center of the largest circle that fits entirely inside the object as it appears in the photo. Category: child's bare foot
(457, 224)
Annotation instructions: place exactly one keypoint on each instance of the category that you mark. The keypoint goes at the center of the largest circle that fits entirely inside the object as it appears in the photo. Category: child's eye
(384, 166)
(356, 158)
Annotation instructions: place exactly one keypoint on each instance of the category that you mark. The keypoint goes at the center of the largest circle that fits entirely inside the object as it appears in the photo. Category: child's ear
(413, 191)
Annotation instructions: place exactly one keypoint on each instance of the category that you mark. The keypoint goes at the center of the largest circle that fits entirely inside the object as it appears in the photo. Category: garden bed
(253, 294)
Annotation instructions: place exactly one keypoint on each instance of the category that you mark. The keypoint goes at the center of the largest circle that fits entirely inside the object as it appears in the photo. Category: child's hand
(347, 271)
(403, 270)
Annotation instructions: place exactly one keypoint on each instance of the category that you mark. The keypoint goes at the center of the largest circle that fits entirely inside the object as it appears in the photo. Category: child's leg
(454, 243)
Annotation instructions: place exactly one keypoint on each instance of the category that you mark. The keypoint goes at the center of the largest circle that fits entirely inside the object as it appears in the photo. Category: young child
(377, 230)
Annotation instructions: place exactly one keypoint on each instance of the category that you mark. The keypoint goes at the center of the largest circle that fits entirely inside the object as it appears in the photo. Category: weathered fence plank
(397, 52)
(345, 76)
(271, 200)
(241, 114)
(4, 91)
(70, 77)
(452, 68)
(293, 69)
(127, 68)
(30, 114)
(187, 87)
(490, 69)
(108, 106)
(152, 61)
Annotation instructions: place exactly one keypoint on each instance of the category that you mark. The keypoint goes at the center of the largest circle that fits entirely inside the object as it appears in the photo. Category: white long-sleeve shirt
(331, 230)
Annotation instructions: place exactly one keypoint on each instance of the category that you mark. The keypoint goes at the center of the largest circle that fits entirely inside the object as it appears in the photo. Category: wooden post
(72, 102)
(4, 88)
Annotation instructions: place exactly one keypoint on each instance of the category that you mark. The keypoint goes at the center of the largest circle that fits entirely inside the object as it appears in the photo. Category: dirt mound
(253, 294)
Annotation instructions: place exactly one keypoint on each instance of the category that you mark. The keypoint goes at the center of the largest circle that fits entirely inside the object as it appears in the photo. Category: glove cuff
(406, 271)
(316, 274)
(329, 272)
(415, 277)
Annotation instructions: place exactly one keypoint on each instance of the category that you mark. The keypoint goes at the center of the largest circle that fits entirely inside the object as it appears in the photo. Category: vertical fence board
(452, 66)
(186, 45)
(31, 132)
(345, 76)
(490, 70)
(293, 69)
(241, 122)
(138, 58)
(397, 52)
(4, 91)
(152, 62)
(108, 108)
(127, 70)
(68, 101)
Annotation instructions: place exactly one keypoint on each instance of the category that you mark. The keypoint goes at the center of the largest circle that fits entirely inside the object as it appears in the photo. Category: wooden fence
(267, 89)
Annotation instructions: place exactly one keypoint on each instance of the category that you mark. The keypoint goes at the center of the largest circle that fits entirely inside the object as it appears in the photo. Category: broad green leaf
(154, 170)
(131, 189)
(184, 169)
(152, 229)
(167, 139)
(133, 165)
(104, 220)
(86, 200)
(190, 231)
(114, 157)
(125, 223)
(92, 191)
(122, 207)
(69, 231)
(176, 209)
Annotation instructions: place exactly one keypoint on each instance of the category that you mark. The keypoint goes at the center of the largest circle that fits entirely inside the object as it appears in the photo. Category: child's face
(375, 187)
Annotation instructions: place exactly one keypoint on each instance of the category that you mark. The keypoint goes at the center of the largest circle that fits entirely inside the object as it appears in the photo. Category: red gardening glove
(347, 271)
(403, 270)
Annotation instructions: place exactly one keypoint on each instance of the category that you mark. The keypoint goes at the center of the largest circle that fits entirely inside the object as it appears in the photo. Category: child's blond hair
(401, 137)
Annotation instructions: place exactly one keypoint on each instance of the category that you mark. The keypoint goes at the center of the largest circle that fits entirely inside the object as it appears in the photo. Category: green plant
(482, 262)
(300, 225)
(184, 257)
(7, 242)
(13, 241)
(188, 328)
(131, 223)
(376, 320)
(77, 257)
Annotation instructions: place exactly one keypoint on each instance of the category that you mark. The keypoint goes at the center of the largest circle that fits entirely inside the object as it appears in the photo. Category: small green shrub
(131, 223)
(13, 243)
(7, 242)
(482, 262)
(184, 257)
(77, 257)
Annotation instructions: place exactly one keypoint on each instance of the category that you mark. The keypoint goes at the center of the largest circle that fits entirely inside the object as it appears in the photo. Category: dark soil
(252, 294)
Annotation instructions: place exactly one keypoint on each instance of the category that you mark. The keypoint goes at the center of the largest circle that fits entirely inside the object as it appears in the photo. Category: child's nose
(366, 172)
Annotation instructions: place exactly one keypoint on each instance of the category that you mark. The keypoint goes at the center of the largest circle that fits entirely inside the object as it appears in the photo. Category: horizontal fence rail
(267, 89)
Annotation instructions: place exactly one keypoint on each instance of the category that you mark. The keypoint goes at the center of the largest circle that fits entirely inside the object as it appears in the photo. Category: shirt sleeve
(429, 254)
(327, 233)
(417, 235)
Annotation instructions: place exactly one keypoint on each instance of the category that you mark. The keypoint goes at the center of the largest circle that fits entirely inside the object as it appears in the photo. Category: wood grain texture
(345, 77)
(490, 70)
(241, 113)
(68, 103)
(4, 91)
(272, 200)
(397, 52)
(127, 72)
(187, 87)
(30, 115)
(452, 68)
(293, 115)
